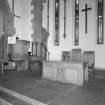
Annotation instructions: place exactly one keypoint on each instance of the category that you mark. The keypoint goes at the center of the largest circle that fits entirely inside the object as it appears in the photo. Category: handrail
(39, 47)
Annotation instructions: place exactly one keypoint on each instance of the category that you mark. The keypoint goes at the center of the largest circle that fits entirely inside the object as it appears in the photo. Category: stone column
(37, 20)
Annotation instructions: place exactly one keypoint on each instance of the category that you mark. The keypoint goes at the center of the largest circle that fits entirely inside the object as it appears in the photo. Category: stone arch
(7, 16)
(7, 28)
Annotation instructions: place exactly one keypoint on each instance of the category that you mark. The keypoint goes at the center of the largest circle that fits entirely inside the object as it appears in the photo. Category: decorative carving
(37, 20)
(44, 36)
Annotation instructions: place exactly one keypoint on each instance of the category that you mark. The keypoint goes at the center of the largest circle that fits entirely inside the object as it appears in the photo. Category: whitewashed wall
(65, 44)
(100, 50)
(87, 42)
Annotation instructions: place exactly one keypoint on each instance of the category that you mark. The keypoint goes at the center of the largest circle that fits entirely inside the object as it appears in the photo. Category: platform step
(4, 102)
(21, 97)
(100, 74)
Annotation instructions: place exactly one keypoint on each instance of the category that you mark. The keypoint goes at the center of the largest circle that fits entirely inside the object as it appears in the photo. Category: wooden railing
(40, 50)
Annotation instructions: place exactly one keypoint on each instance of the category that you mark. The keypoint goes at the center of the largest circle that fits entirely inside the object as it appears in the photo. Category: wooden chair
(91, 70)
(88, 57)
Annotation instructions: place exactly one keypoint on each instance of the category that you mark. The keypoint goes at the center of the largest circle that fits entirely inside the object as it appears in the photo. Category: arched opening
(6, 28)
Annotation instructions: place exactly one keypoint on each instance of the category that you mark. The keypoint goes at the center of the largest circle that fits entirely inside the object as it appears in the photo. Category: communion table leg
(60, 74)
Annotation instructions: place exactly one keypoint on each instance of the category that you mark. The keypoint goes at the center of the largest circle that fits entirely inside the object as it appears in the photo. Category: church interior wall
(37, 20)
(23, 24)
(26, 19)
(44, 19)
(65, 44)
(17, 21)
(5, 27)
(100, 51)
(29, 25)
(87, 42)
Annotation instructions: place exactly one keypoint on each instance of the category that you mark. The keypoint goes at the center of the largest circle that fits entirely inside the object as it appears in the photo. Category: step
(23, 98)
(10, 100)
(100, 74)
(4, 102)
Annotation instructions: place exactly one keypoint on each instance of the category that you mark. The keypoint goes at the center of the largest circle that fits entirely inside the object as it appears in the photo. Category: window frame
(76, 36)
(100, 22)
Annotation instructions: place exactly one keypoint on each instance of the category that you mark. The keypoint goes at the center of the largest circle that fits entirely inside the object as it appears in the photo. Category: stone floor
(50, 92)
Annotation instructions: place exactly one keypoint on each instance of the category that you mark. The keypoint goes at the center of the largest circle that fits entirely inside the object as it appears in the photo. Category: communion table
(66, 72)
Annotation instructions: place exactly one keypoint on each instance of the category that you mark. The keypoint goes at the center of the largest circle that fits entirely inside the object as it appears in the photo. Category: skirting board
(99, 69)
(100, 73)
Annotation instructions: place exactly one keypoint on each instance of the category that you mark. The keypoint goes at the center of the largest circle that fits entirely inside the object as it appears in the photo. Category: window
(100, 27)
(76, 22)
(48, 15)
(56, 39)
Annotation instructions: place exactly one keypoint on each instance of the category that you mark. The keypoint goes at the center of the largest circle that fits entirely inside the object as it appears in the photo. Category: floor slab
(55, 93)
